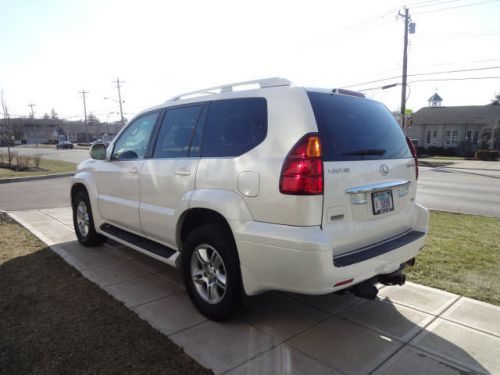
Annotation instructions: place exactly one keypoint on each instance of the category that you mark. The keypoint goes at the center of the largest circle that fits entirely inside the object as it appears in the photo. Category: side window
(176, 132)
(234, 126)
(133, 142)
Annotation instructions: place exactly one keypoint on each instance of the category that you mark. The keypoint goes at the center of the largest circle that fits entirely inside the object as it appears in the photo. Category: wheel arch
(195, 217)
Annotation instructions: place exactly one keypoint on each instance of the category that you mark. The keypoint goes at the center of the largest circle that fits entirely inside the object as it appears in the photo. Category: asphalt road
(29, 195)
(465, 191)
(73, 156)
(469, 191)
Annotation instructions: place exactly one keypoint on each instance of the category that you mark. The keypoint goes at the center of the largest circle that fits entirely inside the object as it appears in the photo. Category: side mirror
(98, 151)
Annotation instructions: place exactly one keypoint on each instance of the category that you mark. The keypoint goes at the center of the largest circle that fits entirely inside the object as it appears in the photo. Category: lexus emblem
(384, 169)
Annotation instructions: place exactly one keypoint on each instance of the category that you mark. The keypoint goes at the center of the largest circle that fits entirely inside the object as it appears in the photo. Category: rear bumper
(299, 259)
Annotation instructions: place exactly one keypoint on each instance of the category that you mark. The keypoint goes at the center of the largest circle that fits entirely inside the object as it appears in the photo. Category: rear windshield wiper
(370, 151)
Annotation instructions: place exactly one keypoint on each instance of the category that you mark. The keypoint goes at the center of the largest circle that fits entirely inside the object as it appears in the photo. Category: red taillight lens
(414, 154)
(302, 172)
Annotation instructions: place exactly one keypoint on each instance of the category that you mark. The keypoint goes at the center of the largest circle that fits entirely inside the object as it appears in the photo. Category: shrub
(420, 150)
(23, 161)
(487, 154)
(36, 160)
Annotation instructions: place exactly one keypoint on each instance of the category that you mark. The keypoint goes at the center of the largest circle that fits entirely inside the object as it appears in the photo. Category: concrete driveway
(410, 329)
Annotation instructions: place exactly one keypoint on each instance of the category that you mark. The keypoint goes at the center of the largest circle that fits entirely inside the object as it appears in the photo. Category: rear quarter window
(234, 127)
(353, 128)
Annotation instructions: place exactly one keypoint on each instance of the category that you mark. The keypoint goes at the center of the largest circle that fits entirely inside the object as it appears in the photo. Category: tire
(202, 249)
(83, 221)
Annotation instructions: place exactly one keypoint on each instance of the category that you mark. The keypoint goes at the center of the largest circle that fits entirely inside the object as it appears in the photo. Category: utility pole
(6, 131)
(411, 28)
(117, 82)
(83, 92)
(31, 105)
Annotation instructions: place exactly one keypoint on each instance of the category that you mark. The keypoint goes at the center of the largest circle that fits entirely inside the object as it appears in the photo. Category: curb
(33, 178)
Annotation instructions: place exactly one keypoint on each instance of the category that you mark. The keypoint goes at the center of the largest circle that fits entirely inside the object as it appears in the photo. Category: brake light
(302, 171)
(414, 154)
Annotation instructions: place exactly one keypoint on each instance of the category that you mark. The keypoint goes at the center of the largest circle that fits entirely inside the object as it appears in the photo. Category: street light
(120, 102)
(107, 123)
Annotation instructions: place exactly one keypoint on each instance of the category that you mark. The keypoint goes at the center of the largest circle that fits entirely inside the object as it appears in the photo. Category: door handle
(182, 172)
(133, 170)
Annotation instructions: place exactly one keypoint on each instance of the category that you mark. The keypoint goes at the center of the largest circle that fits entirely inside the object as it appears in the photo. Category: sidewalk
(410, 329)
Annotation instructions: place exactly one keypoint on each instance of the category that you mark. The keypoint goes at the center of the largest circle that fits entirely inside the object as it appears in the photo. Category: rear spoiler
(348, 92)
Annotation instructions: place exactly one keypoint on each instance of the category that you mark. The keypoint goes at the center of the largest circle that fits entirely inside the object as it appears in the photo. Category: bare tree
(6, 129)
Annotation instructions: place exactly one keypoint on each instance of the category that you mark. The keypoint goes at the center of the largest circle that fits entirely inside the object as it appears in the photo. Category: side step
(138, 241)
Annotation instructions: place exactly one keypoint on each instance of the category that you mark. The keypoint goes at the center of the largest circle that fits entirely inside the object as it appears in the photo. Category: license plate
(382, 202)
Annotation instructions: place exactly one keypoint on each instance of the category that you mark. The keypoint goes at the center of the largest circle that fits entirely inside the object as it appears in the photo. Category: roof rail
(263, 83)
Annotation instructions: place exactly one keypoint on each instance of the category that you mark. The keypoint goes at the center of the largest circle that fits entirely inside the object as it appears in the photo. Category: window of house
(454, 137)
(428, 137)
(468, 135)
(475, 139)
(176, 132)
(447, 137)
(234, 126)
(434, 137)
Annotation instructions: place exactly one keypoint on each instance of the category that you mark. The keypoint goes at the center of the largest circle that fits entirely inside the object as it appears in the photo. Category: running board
(144, 245)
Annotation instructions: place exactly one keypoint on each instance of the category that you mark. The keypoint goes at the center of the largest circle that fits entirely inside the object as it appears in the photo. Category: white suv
(273, 187)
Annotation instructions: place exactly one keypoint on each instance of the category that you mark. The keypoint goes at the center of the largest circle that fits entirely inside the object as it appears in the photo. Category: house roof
(463, 114)
(435, 98)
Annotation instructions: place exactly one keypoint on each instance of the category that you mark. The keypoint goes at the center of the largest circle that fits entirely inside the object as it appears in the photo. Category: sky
(52, 49)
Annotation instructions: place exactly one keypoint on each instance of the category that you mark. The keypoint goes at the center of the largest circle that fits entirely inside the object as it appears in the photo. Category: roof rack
(262, 83)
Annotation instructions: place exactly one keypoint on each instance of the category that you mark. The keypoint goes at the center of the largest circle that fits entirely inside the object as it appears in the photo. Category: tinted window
(176, 132)
(352, 128)
(133, 142)
(235, 126)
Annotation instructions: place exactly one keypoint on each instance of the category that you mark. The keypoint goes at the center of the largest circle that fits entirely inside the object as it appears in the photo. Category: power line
(423, 74)
(456, 7)
(454, 79)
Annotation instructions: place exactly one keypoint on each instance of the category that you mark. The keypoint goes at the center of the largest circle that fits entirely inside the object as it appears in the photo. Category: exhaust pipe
(395, 278)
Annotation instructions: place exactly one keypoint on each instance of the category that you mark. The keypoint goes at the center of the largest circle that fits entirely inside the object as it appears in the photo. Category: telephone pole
(117, 82)
(411, 28)
(31, 105)
(83, 92)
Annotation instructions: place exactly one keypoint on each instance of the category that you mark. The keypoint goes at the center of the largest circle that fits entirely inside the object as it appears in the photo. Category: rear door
(369, 172)
(168, 178)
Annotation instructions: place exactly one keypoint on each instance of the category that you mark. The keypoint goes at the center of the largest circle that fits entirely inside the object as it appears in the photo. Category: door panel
(168, 178)
(118, 179)
(166, 185)
(118, 198)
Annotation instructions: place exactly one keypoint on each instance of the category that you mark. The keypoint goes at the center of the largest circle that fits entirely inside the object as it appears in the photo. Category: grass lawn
(46, 167)
(462, 256)
(55, 321)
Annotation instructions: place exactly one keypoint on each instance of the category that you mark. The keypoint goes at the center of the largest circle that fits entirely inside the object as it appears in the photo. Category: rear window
(352, 128)
(234, 126)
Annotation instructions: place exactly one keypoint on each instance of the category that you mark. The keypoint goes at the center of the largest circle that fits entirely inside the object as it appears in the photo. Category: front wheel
(211, 272)
(83, 221)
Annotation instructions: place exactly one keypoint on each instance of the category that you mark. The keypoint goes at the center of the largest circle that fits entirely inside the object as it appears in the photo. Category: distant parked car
(63, 145)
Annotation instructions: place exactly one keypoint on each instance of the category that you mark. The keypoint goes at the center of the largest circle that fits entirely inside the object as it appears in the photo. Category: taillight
(414, 154)
(302, 172)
